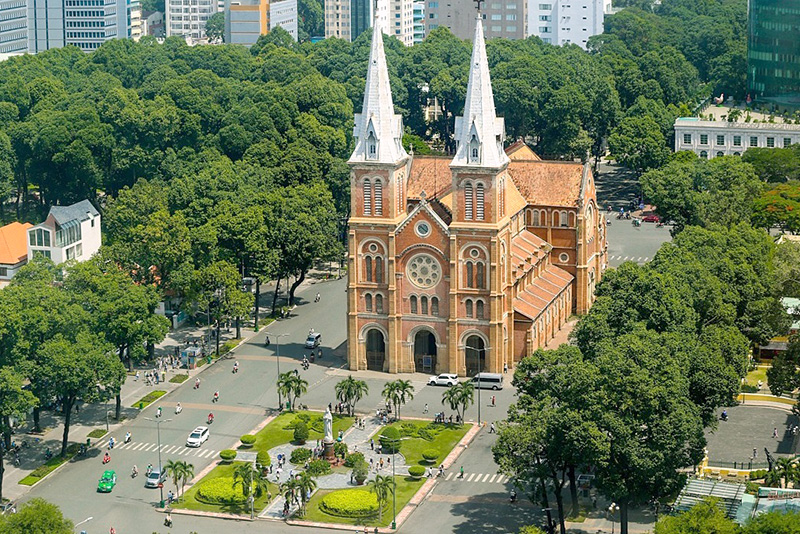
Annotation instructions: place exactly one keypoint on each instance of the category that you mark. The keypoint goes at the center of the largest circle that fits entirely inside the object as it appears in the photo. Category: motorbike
(513, 497)
(48, 454)
(134, 472)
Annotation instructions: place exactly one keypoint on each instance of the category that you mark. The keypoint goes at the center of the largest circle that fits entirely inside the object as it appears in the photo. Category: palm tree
(459, 397)
(299, 387)
(787, 470)
(292, 386)
(350, 391)
(246, 475)
(772, 479)
(398, 392)
(181, 472)
(382, 486)
(305, 485)
(290, 489)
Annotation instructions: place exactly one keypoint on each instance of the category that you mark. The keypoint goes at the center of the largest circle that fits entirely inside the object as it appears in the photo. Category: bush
(228, 346)
(300, 455)
(408, 430)
(430, 455)
(97, 433)
(390, 440)
(219, 491)
(425, 434)
(318, 468)
(304, 417)
(353, 459)
(361, 471)
(248, 440)
(300, 432)
(227, 454)
(350, 503)
(263, 459)
(416, 471)
(179, 379)
(758, 474)
(340, 449)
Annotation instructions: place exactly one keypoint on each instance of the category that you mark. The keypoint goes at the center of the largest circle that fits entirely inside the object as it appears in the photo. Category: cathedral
(466, 264)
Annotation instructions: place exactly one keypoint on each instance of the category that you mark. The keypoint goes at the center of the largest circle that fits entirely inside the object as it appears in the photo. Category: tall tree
(14, 403)
(36, 516)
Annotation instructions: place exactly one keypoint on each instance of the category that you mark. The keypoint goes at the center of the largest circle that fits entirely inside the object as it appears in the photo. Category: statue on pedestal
(328, 420)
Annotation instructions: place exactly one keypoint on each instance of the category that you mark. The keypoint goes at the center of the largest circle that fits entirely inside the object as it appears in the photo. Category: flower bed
(350, 503)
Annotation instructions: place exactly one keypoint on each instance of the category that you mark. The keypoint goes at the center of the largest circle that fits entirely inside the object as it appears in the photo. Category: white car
(444, 379)
(198, 436)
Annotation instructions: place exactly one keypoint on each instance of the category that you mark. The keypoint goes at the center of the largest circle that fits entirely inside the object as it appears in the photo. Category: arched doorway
(475, 355)
(425, 352)
(376, 350)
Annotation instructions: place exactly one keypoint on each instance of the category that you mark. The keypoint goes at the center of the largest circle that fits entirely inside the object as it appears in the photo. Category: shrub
(228, 346)
(97, 433)
(248, 440)
(300, 455)
(304, 417)
(430, 455)
(408, 430)
(340, 449)
(350, 503)
(416, 471)
(318, 468)
(300, 432)
(390, 440)
(360, 471)
(219, 491)
(425, 434)
(353, 459)
(757, 474)
(227, 454)
(263, 459)
(179, 379)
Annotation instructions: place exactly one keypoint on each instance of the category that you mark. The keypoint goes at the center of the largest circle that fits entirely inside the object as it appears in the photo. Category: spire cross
(478, 4)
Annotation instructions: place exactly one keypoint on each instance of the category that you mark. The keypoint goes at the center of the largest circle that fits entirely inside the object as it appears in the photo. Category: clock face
(423, 229)
(424, 271)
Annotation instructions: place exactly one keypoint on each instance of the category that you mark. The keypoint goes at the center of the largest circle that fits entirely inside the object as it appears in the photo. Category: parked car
(313, 340)
(198, 436)
(444, 379)
(651, 218)
(155, 478)
(107, 482)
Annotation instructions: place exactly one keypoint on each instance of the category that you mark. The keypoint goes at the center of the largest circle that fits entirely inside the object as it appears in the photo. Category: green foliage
(300, 455)
(350, 391)
(179, 379)
(360, 471)
(292, 387)
(227, 455)
(353, 458)
(219, 491)
(318, 468)
(758, 474)
(36, 516)
(97, 433)
(229, 346)
(350, 503)
(430, 455)
(778, 521)
(398, 392)
(703, 518)
(149, 399)
(779, 208)
(638, 144)
(300, 432)
(390, 440)
(530, 529)
(340, 449)
(774, 165)
(263, 459)
(215, 26)
(248, 440)
(459, 397)
(416, 471)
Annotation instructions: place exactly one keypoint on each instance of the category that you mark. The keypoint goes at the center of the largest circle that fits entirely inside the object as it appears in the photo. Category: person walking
(493, 401)
(426, 408)
(492, 429)
(461, 472)
(775, 432)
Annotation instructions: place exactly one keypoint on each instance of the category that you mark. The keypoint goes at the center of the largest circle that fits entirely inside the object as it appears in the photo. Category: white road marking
(493, 477)
(448, 476)
(470, 477)
(640, 258)
(485, 478)
(500, 479)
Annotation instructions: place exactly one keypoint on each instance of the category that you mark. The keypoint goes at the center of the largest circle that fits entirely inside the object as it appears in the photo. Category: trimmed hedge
(227, 454)
(350, 503)
(416, 471)
(318, 468)
(248, 440)
(353, 459)
(263, 459)
(390, 440)
(340, 449)
(430, 455)
(219, 491)
(300, 455)
(300, 432)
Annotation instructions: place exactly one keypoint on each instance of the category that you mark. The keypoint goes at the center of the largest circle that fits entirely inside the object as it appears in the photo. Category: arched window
(479, 274)
(372, 146)
(434, 306)
(535, 221)
(379, 270)
(368, 301)
(720, 154)
(543, 217)
(479, 202)
(367, 197)
(468, 305)
(423, 305)
(703, 154)
(562, 215)
(469, 275)
(474, 150)
(529, 217)
(378, 197)
(413, 304)
(379, 303)
(368, 268)
(479, 309)
(468, 201)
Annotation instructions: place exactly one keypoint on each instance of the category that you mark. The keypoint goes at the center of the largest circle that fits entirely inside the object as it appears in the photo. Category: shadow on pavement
(493, 513)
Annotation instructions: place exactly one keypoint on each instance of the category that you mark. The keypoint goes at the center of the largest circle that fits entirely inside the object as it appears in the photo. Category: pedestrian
(112, 531)
(381, 463)
(371, 463)
(775, 432)
(491, 429)
(493, 399)
(371, 444)
(330, 407)
(388, 461)
(594, 502)
(461, 472)
(505, 368)
(136, 376)
(164, 377)
(755, 453)
(426, 408)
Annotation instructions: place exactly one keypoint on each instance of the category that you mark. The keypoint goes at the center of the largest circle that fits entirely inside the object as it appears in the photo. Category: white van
(488, 381)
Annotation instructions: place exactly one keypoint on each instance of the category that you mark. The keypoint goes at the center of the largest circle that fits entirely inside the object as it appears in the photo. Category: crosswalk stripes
(177, 450)
(492, 479)
(488, 478)
(639, 259)
(448, 476)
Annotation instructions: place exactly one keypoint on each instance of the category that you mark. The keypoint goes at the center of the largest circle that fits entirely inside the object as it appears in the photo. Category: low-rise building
(709, 139)
(69, 232)
(13, 250)
(153, 23)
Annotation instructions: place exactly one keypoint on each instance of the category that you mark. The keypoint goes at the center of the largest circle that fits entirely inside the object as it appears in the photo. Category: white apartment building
(393, 17)
(13, 27)
(562, 22)
(86, 24)
(69, 232)
(419, 22)
(337, 19)
(284, 14)
(135, 22)
(396, 18)
(709, 139)
(188, 18)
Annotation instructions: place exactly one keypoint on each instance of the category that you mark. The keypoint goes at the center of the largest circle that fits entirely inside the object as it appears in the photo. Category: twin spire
(479, 133)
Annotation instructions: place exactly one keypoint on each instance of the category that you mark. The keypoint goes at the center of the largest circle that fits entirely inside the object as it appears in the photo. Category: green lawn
(48, 467)
(406, 488)
(280, 430)
(188, 500)
(179, 379)
(148, 399)
(759, 373)
(445, 437)
(97, 433)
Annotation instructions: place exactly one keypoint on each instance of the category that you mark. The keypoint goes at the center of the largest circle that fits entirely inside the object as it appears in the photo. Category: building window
(379, 303)
(468, 305)
(737, 140)
(378, 197)
(479, 309)
(480, 271)
(434, 306)
(770, 142)
(563, 219)
(39, 237)
(720, 154)
(368, 268)
(379, 270)
(536, 221)
(545, 7)
(687, 138)
(703, 154)
(413, 304)
(563, 257)
(3, 271)
(753, 140)
(368, 302)
(720, 139)
(479, 202)
(469, 275)
(787, 141)
(367, 197)
(468, 201)
(703, 139)
(372, 146)
(423, 305)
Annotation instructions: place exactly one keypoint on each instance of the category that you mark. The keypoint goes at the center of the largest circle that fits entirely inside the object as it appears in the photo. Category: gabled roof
(76, 212)
(535, 298)
(424, 205)
(14, 243)
(520, 150)
(430, 174)
(548, 183)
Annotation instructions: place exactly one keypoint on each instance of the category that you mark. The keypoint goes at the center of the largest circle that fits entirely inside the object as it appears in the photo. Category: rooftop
(80, 211)
(14, 243)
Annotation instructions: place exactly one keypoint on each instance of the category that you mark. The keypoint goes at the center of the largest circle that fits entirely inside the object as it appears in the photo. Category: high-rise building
(773, 51)
(84, 23)
(419, 22)
(13, 27)
(246, 21)
(337, 19)
(284, 14)
(135, 23)
(188, 18)
(396, 18)
(361, 16)
(347, 19)
(504, 18)
(562, 22)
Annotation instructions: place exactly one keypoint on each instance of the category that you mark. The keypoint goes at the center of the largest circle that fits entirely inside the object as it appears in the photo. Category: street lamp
(158, 430)
(278, 361)
(394, 483)
(612, 509)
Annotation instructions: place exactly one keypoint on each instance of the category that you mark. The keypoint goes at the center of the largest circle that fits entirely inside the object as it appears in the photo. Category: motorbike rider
(134, 471)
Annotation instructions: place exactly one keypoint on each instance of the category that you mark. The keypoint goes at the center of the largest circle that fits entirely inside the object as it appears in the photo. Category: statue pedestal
(328, 453)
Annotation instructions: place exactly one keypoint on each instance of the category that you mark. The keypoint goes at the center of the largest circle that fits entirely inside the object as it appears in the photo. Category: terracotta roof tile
(430, 174)
(536, 297)
(520, 150)
(548, 183)
(14, 243)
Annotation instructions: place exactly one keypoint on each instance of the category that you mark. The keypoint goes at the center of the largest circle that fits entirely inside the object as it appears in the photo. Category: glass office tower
(773, 51)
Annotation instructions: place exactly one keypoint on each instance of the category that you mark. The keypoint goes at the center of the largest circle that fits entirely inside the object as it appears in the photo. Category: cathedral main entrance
(475, 355)
(425, 352)
(376, 350)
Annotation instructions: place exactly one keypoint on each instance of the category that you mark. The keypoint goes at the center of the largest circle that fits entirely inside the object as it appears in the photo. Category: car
(155, 478)
(313, 340)
(107, 482)
(651, 218)
(198, 436)
(444, 379)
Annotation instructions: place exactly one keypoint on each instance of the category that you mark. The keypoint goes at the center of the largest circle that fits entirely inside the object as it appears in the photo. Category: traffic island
(217, 494)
